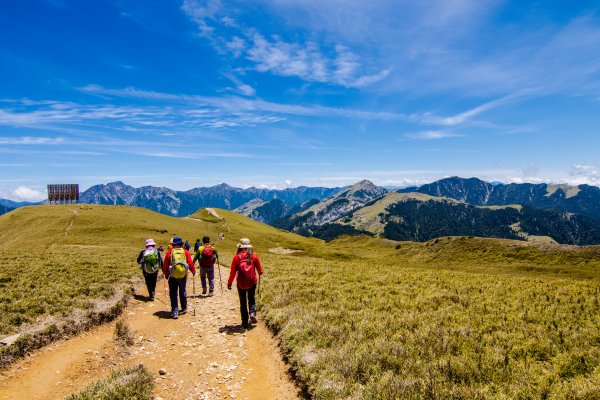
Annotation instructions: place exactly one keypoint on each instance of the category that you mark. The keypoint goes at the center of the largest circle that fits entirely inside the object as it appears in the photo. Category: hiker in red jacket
(175, 268)
(245, 264)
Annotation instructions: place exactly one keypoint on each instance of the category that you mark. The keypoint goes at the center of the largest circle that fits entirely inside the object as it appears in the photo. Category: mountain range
(182, 203)
(448, 207)
(456, 207)
(582, 199)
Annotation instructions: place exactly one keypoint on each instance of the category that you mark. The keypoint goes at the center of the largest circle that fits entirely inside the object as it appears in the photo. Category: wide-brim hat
(245, 243)
(150, 242)
(177, 241)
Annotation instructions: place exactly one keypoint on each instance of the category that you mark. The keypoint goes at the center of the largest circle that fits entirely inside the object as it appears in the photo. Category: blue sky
(283, 93)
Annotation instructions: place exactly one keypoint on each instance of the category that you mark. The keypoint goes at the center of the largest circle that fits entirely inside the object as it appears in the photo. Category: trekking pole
(194, 285)
(258, 289)
(164, 290)
(220, 279)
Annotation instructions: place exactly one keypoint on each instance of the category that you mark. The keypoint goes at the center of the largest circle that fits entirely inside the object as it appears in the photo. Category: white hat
(245, 243)
(150, 242)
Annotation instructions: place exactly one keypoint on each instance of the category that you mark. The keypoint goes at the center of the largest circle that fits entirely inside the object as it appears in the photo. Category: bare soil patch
(283, 251)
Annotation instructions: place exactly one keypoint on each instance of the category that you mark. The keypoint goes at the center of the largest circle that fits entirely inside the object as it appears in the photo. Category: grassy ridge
(57, 259)
(498, 320)
(358, 318)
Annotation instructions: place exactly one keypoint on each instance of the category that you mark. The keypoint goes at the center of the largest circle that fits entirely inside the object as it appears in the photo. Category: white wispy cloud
(433, 135)
(585, 174)
(24, 193)
(236, 103)
(31, 141)
(305, 60)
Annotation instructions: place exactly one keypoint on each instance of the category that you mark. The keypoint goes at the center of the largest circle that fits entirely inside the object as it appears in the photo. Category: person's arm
(166, 264)
(140, 258)
(257, 264)
(190, 262)
(197, 256)
(217, 256)
(234, 265)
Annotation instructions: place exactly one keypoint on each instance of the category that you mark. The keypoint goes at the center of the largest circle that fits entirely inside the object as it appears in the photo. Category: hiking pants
(210, 273)
(247, 301)
(177, 285)
(150, 282)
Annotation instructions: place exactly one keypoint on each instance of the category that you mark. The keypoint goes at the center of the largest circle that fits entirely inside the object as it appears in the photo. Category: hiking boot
(184, 311)
(246, 325)
(203, 291)
(253, 319)
(211, 293)
(174, 315)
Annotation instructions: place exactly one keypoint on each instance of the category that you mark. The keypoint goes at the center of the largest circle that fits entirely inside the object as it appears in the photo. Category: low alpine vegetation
(123, 334)
(447, 320)
(134, 383)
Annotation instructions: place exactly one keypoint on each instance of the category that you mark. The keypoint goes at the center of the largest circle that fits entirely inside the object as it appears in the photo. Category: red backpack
(208, 256)
(246, 272)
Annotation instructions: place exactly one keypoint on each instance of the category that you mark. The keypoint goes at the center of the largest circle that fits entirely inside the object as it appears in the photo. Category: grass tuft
(123, 334)
(134, 383)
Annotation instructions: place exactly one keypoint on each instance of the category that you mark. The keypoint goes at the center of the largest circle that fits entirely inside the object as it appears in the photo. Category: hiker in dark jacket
(151, 262)
(175, 268)
(206, 256)
(197, 245)
(244, 265)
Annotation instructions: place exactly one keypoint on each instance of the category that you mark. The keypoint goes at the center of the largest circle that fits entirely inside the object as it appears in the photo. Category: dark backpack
(208, 256)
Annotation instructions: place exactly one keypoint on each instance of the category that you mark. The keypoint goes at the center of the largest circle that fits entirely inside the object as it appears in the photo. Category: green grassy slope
(359, 317)
(447, 319)
(60, 258)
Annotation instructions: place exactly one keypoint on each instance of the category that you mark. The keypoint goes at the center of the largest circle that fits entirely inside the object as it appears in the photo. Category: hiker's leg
(252, 301)
(173, 285)
(243, 305)
(203, 278)
(147, 280)
(210, 271)
(183, 293)
(151, 283)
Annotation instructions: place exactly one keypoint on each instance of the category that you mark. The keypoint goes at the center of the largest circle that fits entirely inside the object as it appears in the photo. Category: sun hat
(150, 242)
(245, 243)
(177, 241)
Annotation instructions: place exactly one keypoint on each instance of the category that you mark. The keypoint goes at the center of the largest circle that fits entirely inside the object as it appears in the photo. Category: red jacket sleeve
(190, 262)
(257, 264)
(234, 265)
(166, 264)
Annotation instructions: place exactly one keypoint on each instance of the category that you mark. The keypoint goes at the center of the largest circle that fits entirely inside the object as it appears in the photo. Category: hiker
(244, 264)
(206, 256)
(175, 268)
(197, 245)
(170, 247)
(187, 245)
(151, 261)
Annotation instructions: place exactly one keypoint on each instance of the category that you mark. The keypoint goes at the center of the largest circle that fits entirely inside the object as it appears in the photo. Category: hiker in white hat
(244, 266)
(151, 262)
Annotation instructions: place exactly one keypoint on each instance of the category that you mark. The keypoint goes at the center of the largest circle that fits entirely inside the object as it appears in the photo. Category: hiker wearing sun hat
(175, 268)
(245, 265)
(151, 262)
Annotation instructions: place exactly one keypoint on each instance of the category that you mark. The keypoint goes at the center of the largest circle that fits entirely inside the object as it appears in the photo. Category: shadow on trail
(140, 297)
(234, 329)
(163, 314)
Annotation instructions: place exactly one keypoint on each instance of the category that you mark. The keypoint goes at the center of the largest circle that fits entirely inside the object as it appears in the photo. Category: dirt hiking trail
(206, 356)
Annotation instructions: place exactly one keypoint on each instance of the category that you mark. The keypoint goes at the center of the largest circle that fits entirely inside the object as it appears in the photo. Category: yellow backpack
(179, 265)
